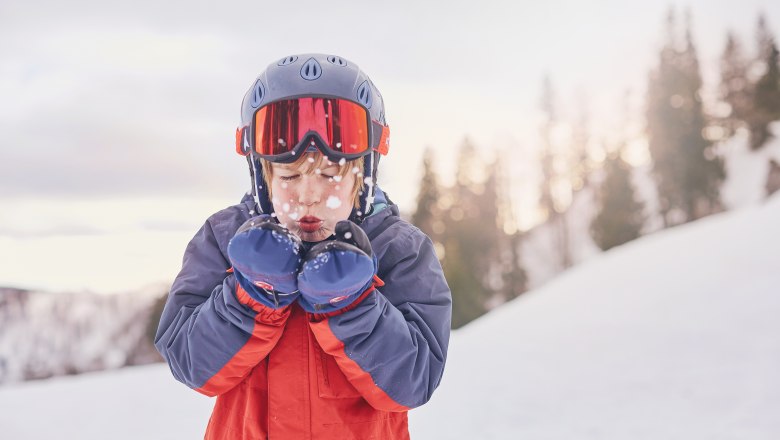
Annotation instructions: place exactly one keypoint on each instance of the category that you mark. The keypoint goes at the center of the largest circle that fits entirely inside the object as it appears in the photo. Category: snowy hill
(675, 335)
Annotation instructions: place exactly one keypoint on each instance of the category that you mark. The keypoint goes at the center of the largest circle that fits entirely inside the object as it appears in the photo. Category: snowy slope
(129, 404)
(675, 335)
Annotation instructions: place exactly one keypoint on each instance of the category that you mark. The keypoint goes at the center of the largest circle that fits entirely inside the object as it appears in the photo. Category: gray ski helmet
(303, 75)
(312, 75)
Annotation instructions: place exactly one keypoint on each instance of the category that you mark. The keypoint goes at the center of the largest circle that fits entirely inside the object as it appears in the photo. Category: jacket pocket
(331, 382)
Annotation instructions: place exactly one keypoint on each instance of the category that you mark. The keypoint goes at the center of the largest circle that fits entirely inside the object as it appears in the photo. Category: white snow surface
(674, 335)
(129, 404)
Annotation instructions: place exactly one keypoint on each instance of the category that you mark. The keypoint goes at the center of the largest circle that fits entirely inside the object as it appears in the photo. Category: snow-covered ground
(138, 403)
(673, 336)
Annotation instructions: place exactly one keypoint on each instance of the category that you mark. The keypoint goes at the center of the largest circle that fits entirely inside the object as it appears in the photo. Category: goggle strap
(384, 141)
(242, 145)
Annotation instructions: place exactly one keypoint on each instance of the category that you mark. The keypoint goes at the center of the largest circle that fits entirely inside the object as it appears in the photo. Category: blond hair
(319, 161)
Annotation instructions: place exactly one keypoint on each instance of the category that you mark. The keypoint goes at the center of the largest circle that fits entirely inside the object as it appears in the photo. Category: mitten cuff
(337, 306)
(272, 299)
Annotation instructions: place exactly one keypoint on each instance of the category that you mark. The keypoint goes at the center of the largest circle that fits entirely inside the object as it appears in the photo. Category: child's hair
(319, 161)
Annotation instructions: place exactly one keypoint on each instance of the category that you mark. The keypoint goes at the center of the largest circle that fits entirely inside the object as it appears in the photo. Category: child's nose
(309, 192)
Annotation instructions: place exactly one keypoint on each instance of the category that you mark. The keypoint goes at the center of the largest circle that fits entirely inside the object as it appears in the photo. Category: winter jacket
(288, 374)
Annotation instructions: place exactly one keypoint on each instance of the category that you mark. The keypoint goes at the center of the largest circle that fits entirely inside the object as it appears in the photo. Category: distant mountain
(47, 334)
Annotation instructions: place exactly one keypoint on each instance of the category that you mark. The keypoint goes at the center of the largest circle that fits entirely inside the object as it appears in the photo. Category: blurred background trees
(590, 202)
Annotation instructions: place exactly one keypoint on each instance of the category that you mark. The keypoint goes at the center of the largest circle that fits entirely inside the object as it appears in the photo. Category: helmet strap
(259, 190)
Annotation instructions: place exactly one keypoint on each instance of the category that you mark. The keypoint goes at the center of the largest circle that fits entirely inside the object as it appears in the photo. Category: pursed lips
(310, 223)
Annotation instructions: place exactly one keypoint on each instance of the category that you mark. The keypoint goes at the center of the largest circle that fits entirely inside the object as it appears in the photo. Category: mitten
(265, 258)
(337, 271)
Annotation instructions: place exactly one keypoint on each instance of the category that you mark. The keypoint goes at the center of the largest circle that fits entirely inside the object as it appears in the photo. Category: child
(310, 309)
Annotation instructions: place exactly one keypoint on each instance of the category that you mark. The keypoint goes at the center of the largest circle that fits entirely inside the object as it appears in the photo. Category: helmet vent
(287, 60)
(337, 60)
(364, 94)
(311, 70)
(258, 94)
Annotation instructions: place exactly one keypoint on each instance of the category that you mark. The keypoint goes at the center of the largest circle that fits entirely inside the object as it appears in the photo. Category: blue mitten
(336, 272)
(265, 258)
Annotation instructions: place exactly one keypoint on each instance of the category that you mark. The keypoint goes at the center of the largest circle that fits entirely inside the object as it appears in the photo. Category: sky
(118, 118)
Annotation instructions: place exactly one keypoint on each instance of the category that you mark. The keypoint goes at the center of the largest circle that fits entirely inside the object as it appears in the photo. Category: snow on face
(333, 202)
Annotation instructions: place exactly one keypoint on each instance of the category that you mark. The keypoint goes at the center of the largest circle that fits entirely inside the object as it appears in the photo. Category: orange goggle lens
(281, 126)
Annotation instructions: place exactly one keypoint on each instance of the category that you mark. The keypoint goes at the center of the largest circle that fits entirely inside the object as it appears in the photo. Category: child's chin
(318, 235)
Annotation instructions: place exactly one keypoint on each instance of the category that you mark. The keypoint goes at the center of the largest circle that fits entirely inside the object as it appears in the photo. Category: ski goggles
(282, 130)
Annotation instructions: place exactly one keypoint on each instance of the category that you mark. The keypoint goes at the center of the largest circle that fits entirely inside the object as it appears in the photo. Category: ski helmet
(314, 75)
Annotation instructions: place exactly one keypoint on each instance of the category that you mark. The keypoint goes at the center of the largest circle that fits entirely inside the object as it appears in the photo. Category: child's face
(310, 204)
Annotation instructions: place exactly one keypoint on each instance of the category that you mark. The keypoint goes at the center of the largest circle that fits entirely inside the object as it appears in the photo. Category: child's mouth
(310, 223)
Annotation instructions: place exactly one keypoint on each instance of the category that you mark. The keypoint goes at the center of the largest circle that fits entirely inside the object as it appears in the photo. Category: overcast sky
(118, 118)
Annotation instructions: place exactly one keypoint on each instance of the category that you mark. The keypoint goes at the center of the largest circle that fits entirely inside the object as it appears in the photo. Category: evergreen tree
(513, 274)
(481, 261)
(515, 277)
(468, 242)
(766, 92)
(467, 301)
(687, 172)
(619, 217)
(551, 179)
(735, 88)
(427, 216)
(581, 164)
(506, 278)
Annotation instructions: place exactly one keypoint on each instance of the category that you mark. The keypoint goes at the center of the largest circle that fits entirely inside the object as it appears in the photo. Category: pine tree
(506, 278)
(467, 298)
(513, 274)
(687, 172)
(551, 180)
(581, 164)
(620, 217)
(766, 93)
(427, 216)
(468, 241)
(515, 277)
(735, 88)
